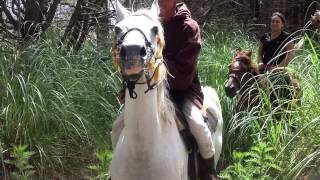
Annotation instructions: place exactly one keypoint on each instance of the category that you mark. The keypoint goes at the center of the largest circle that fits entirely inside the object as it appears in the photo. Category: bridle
(244, 73)
(146, 62)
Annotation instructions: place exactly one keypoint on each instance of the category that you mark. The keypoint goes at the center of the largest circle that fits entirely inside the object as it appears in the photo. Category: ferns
(254, 164)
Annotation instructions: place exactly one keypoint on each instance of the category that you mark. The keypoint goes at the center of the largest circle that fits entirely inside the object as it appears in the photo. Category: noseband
(239, 79)
(147, 43)
(145, 61)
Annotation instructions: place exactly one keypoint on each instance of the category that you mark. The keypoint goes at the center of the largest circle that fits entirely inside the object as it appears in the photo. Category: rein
(131, 84)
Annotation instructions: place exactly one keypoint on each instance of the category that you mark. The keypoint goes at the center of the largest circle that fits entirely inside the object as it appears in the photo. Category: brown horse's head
(241, 70)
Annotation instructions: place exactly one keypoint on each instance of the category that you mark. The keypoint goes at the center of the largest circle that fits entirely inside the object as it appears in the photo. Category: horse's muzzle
(230, 89)
(230, 92)
(132, 60)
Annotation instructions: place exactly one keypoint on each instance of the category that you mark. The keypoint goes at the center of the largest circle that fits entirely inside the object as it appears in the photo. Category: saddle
(286, 85)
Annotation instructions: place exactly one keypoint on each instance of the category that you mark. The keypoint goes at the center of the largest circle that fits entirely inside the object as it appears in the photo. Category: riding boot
(208, 171)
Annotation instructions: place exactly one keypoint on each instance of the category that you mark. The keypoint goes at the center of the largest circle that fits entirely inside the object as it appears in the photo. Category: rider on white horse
(183, 44)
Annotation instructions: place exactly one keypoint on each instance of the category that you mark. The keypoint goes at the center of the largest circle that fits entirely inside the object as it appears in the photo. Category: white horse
(149, 146)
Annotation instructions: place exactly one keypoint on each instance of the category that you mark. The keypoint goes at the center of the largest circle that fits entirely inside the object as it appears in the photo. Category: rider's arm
(315, 18)
(260, 52)
(183, 66)
(289, 56)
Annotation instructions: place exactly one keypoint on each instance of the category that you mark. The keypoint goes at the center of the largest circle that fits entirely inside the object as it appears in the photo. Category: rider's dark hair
(280, 15)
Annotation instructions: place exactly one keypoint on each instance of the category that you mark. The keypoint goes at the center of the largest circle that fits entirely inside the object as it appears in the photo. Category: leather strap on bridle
(150, 55)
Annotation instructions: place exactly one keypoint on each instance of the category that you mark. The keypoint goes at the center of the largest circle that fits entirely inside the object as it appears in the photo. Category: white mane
(165, 105)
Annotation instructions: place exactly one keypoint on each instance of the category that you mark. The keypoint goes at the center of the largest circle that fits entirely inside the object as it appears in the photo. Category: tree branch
(7, 33)
(51, 12)
(207, 13)
(18, 12)
(74, 18)
(8, 14)
(83, 33)
(23, 3)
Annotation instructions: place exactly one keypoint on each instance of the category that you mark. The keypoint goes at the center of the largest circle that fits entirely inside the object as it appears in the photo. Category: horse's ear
(122, 12)
(238, 51)
(155, 9)
(249, 53)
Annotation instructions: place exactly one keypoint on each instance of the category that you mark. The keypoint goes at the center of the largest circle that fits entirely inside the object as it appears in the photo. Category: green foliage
(20, 160)
(253, 164)
(101, 169)
(294, 137)
(2, 166)
(218, 49)
(62, 104)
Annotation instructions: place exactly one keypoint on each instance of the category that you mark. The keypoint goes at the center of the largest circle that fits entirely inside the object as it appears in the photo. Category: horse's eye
(155, 29)
(117, 30)
(122, 52)
(143, 51)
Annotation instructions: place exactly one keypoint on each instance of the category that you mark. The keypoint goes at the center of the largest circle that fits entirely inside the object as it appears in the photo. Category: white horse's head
(137, 51)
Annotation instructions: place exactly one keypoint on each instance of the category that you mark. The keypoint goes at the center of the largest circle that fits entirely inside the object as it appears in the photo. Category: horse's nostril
(230, 90)
(143, 51)
(122, 51)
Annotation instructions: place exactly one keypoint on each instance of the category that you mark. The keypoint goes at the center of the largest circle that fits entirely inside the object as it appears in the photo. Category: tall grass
(218, 49)
(61, 104)
(58, 102)
(292, 143)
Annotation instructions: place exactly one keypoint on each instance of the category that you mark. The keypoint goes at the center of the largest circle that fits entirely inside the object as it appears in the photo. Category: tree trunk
(34, 16)
(26, 18)
(50, 15)
(88, 14)
(104, 27)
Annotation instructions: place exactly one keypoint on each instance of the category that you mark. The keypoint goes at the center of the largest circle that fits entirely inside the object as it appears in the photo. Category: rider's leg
(202, 134)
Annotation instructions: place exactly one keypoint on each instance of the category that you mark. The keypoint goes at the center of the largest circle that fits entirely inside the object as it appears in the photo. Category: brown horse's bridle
(244, 73)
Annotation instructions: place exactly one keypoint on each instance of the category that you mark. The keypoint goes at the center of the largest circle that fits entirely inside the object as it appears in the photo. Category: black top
(272, 47)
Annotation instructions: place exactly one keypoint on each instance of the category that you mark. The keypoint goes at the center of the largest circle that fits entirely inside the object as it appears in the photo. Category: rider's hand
(261, 67)
(212, 178)
(315, 18)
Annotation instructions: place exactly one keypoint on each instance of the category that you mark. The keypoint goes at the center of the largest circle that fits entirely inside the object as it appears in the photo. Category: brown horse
(243, 80)
(246, 82)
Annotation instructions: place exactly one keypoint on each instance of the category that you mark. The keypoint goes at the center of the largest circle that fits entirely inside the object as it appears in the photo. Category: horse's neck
(248, 84)
(141, 115)
(249, 93)
(150, 146)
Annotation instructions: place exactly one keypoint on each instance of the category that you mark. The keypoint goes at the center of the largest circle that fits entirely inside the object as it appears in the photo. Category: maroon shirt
(183, 44)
